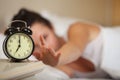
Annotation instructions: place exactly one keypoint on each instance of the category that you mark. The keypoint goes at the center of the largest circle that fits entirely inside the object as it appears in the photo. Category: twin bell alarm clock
(18, 44)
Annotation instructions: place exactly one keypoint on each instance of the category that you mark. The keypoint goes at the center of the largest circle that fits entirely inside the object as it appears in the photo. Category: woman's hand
(47, 54)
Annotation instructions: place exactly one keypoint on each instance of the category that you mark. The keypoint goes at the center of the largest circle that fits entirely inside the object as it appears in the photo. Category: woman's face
(48, 34)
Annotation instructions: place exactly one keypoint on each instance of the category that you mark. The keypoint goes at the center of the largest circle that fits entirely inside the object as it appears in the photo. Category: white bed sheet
(50, 73)
(37, 78)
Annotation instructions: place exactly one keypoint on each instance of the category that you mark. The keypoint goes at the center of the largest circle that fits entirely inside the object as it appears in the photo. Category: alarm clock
(18, 44)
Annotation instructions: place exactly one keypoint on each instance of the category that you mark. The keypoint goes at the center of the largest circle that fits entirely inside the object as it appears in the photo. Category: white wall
(93, 10)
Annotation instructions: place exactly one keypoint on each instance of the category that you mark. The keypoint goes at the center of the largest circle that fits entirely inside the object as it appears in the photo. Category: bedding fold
(111, 52)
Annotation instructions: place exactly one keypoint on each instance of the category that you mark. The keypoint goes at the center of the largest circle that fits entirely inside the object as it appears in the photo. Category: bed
(50, 73)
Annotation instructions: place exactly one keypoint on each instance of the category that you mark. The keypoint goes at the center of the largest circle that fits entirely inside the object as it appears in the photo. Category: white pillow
(59, 23)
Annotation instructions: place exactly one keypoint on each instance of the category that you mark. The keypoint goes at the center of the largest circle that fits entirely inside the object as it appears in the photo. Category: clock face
(19, 46)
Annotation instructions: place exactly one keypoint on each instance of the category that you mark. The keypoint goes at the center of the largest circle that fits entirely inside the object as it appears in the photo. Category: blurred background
(104, 12)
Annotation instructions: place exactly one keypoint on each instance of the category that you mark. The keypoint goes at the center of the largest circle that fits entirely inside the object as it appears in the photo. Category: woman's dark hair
(31, 17)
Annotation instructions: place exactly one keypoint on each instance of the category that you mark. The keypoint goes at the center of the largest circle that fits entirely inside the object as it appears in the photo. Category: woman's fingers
(42, 41)
(49, 57)
(38, 56)
(48, 52)
(58, 55)
(52, 52)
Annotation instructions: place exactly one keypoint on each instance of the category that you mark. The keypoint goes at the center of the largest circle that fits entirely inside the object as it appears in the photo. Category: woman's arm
(78, 36)
(69, 53)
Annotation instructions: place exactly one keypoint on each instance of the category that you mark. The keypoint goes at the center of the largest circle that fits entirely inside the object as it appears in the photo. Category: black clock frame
(7, 53)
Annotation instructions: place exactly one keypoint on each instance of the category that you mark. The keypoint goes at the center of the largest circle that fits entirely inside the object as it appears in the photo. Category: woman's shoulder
(92, 30)
(80, 26)
(83, 25)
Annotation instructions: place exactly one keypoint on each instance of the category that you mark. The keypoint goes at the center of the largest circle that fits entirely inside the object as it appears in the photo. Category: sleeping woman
(77, 55)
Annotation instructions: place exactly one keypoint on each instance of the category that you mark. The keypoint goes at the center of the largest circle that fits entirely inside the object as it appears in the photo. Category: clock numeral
(29, 46)
(28, 41)
(14, 37)
(18, 55)
(24, 54)
(24, 37)
(10, 50)
(11, 41)
(8, 45)
(27, 51)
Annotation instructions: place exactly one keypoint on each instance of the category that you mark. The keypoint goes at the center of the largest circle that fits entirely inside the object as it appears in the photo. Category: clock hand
(18, 45)
(19, 40)
(17, 48)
